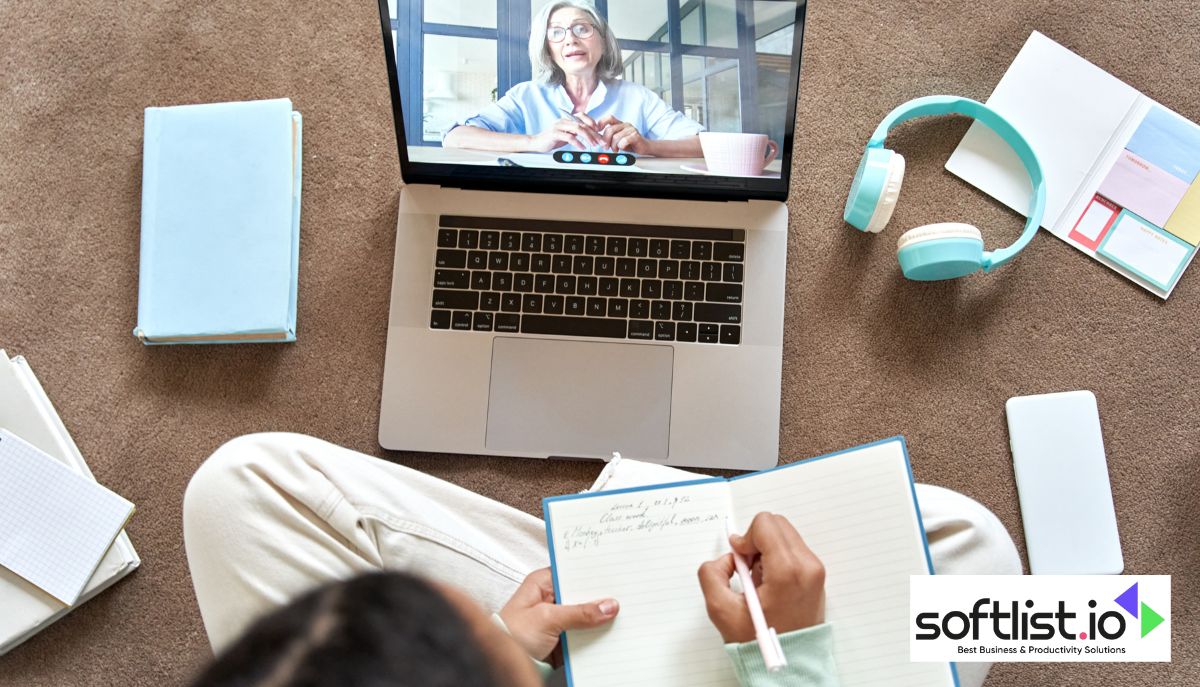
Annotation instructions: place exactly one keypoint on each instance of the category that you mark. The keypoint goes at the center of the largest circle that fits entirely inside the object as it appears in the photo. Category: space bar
(573, 326)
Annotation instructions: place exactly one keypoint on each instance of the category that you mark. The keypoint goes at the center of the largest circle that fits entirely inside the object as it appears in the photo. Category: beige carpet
(867, 354)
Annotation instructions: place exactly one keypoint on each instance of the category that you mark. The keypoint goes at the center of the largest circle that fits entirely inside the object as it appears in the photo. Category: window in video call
(623, 85)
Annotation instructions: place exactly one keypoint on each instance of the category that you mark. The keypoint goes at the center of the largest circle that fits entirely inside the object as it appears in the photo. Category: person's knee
(966, 537)
(222, 482)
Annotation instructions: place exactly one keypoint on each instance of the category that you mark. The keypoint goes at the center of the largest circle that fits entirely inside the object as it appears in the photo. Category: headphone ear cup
(875, 189)
(940, 251)
(891, 194)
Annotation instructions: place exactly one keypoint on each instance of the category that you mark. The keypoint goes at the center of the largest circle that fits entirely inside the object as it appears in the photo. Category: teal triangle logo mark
(1150, 619)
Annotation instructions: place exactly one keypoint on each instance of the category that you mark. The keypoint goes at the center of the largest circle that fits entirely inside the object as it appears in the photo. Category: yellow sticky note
(1185, 221)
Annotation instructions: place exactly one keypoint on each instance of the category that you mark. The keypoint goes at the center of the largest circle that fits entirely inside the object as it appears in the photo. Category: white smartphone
(1062, 482)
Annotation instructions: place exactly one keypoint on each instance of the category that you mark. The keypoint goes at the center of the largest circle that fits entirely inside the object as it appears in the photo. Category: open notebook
(856, 509)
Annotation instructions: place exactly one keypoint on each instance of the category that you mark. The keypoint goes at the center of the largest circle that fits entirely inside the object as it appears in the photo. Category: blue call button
(585, 157)
(621, 159)
(568, 157)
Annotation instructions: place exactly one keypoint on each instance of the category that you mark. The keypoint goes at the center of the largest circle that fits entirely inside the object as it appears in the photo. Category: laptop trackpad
(579, 398)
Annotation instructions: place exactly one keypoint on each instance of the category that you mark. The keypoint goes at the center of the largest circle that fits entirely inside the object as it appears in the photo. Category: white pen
(768, 641)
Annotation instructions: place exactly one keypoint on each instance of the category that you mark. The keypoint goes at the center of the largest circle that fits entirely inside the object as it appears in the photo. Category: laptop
(570, 280)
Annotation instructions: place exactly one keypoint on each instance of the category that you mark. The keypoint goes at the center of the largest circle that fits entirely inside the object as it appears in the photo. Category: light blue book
(220, 244)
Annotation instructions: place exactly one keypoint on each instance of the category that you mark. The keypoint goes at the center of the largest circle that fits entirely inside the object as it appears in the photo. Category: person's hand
(621, 136)
(789, 577)
(535, 621)
(566, 131)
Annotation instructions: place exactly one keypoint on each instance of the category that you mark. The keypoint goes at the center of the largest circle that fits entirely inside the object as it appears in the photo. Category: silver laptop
(570, 278)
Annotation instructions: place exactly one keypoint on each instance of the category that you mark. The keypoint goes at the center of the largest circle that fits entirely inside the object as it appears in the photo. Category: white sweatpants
(270, 516)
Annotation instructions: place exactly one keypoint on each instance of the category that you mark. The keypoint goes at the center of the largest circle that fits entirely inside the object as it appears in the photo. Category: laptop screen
(637, 97)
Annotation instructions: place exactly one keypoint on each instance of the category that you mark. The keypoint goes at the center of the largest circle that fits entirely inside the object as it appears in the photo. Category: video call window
(722, 63)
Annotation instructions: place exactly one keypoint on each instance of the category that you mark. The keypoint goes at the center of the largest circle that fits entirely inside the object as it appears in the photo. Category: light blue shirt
(531, 108)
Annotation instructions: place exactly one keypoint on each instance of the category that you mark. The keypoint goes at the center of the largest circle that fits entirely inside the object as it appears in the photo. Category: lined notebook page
(55, 525)
(642, 548)
(855, 511)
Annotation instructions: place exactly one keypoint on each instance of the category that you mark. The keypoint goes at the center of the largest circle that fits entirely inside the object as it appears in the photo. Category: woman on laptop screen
(577, 98)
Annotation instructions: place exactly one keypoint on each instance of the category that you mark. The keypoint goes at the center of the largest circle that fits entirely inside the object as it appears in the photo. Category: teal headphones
(949, 249)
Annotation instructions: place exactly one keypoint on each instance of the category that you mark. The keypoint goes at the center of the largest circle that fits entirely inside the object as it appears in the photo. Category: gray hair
(611, 66)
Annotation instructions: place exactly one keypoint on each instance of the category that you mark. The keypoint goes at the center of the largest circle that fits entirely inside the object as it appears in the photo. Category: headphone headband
(945, 105)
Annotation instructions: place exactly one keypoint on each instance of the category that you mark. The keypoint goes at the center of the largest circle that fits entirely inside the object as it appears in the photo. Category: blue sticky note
(1168, 141)
(220, 231)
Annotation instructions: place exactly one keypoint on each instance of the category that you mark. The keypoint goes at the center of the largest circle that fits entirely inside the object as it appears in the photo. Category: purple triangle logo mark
(1129, 600)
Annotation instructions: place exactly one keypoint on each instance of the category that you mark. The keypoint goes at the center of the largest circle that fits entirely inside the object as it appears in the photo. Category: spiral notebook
(856, 509)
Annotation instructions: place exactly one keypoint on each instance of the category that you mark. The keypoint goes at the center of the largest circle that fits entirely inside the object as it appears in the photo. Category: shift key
(458, 300)
(718, 312)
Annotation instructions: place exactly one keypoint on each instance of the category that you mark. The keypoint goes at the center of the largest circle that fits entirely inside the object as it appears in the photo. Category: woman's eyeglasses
(557, 34)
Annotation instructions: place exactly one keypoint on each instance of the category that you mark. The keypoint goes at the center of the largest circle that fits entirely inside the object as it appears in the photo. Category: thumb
(580, 616)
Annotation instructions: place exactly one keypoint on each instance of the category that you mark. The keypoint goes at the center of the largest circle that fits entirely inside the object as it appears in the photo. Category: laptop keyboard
(589, 279)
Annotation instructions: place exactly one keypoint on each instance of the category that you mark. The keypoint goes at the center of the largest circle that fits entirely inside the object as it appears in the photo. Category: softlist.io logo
(1040, 618)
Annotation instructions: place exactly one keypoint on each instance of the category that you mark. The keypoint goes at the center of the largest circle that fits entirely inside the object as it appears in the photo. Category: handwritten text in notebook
(855, 509)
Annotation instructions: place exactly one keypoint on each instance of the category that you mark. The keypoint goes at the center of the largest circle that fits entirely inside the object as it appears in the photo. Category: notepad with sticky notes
(55, 525)
(855, 509)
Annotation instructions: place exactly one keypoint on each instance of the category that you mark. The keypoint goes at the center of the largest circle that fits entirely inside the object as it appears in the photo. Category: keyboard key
(564, 284)
(523, 282)
(456, 300)
(618, 307)
(482, 322)
(668, 269)
(709, 333)
(672, 290)
(609, 287)
(729, 252)
(595, 245)
(454, 259)
(639, 309)
(510, 302)
(615, 246)
(681, 250)
(519, 262)
(647, 269)
(638, 248)
(478, 260)
(447, 238)
(710, 271)
(640, 329)
(689, 270)
(552, 305)
(552, 243)
(451, 279)
(502, 281)
(651, 288)
(718, 312)
(462, 321)
(498, 261)
(596, 307)
(724, 293)
(489, 240)
(543, 283)
(489, 301)
(681, 310)
(733, 272)
(664, 331)
(561, 264)
(660, 248)
(573, 243)
(685, 331)
(626, 267)
(702, 250)
(693, 291)
(531, 243)
(582, 264)
(531, 303)
(576, 305)
(606, 267)
(468, 238)
(660, 310)
(586, 286)
(631, 288)
(508, 322)
(439, 319)
(540, 263)
(573, 326)
(731, 334)
(481, 281)
(510, 241)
